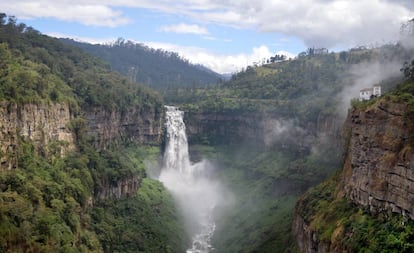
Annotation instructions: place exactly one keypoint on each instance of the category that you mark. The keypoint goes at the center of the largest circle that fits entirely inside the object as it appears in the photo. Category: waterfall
(176, 155)
(195, 191)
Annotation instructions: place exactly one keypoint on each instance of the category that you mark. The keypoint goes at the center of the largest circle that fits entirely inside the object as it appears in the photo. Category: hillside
(74, 139)
(304, 86)
(155, 68)
(48, 70)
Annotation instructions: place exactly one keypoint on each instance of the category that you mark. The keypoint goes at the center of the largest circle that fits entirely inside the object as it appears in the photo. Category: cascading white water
(176, 155)
(196, 193)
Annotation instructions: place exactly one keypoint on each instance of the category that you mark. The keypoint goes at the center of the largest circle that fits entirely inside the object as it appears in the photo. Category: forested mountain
(153, 67)
(37, 68)
(59, 190)
(302, 87)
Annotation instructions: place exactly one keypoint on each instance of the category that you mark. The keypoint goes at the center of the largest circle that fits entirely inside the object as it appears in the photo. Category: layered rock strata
(132, 125)
(379, 166)
(41, 124)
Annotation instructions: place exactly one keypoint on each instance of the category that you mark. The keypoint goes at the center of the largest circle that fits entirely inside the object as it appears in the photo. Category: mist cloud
(285, 132)
(366, 75)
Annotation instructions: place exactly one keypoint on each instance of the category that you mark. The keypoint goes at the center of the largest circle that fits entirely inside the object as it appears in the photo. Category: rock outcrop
(41, 124)
(123, 188)
(307, 239)
(379, 166)
(44, 124)
(132, 125)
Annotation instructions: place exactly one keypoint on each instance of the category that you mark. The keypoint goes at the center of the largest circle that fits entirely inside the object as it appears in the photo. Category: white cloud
(221, 63)
(185, 29)
(87, 13)
(319, 23)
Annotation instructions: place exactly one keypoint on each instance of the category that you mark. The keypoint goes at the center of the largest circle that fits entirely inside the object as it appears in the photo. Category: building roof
(366, 89)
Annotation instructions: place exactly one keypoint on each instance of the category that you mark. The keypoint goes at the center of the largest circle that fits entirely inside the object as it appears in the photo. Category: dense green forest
(49, 203)
(155, 68)
(36, 68)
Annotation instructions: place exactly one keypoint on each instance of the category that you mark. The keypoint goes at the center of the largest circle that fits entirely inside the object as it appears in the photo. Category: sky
(223, 35)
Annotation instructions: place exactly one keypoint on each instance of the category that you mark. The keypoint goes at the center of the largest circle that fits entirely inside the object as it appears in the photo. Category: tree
(408, 70)
(3, 18)
(277, 58)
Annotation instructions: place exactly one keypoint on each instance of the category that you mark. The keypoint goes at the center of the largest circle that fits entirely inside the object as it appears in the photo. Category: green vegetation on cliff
(146, 222)
(87, 199)
(51, 205)
(44, 205)
(340, 224)
(337, 219)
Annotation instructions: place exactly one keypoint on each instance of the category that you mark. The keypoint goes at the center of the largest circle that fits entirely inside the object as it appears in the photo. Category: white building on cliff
(368, 93)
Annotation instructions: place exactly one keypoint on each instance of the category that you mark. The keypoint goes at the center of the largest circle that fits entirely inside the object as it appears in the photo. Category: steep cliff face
(376, 184)
(259, 128)
(132, 125)
(47, 124)
(379, 166)
(42, 124)
(123, 188)
(307, 238)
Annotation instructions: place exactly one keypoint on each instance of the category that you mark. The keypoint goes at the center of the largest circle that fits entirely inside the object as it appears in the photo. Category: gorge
(254, 164)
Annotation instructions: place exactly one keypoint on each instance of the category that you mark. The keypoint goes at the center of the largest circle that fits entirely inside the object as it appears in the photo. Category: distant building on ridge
(368, 93)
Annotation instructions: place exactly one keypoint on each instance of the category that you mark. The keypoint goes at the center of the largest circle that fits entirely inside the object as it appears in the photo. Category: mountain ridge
(155, 68)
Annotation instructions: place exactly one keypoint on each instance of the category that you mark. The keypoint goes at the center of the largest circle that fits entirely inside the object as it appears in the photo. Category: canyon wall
(259, 128)
(45, 125)
(379, 166)
(139, 125)
(123, 188)
(377, 175)
(41, 124)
